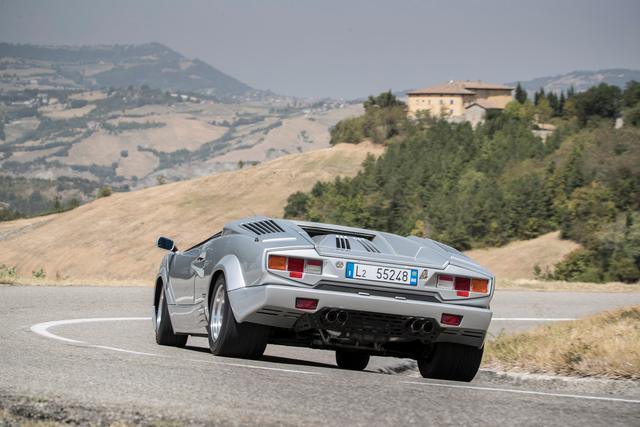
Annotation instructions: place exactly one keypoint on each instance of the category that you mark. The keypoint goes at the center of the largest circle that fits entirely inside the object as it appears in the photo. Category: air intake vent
(342, 243)
(368, 245)
(263, 227)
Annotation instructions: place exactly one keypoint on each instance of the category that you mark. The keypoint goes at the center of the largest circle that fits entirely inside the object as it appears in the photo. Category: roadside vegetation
(604, 345)
(487, 186)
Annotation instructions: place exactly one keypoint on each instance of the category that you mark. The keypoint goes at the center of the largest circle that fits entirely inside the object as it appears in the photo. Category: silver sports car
(358, 292)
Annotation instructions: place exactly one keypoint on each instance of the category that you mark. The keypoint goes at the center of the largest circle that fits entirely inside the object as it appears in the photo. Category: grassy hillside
(113, 238)
(604, 345)
(66, 144)
(519, 259)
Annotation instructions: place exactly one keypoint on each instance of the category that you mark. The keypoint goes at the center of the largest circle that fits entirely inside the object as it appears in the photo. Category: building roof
(458, 87)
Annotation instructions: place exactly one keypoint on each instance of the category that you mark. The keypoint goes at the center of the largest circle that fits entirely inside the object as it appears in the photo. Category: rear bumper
(274, 305)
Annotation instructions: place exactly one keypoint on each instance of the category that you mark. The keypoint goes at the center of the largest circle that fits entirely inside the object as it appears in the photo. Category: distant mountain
(90, 67)
(581, 80)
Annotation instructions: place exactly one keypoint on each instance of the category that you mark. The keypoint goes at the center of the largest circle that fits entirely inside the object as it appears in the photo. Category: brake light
(462, 285)
(295, 266)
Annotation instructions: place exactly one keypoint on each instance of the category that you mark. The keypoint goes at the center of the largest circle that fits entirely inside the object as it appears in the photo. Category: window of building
(451, 102)
(451, 111)
(441, 102)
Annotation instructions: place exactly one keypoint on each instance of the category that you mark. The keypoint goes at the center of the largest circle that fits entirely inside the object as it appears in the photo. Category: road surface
(107, 367)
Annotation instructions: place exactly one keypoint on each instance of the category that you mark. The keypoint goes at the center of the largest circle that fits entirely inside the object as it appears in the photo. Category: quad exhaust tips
(336, 317)
(421, 326)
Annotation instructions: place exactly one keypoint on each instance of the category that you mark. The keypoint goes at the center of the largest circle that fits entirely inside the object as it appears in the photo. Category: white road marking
(534, 319)
(42, 329)
(538, 393)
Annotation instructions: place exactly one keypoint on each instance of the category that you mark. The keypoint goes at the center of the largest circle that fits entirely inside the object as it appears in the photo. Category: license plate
(377, 273)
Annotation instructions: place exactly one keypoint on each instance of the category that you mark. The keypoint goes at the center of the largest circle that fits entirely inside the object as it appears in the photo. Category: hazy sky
(351, 48)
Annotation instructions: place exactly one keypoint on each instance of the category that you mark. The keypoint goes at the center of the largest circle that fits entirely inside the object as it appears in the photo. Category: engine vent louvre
(368, 245)
(342, 243)
(263, 227)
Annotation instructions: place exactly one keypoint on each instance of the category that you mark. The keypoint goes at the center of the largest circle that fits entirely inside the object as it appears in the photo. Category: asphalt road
(113, 370)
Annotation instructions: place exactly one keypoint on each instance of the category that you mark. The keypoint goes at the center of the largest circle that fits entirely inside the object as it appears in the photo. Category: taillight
(295, 266)
(462, 285)
(277, 262)
(480, 285)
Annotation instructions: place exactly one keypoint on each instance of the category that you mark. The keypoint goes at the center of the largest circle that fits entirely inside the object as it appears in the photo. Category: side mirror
(166, 244)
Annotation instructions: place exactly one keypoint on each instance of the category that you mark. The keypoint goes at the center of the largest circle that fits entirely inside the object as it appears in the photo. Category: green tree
(296, 205)
(631, 94)
(521, 94)
(598, 101)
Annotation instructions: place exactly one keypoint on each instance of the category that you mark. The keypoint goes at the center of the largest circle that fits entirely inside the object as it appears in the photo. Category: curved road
(105, 366)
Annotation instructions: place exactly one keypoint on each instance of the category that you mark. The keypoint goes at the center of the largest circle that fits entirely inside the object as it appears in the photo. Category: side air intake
(263, 227)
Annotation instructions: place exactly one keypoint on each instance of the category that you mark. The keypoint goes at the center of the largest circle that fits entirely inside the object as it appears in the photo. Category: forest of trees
(498, 182)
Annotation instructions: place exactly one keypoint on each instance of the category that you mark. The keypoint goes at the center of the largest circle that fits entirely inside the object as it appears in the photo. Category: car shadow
(272, 359)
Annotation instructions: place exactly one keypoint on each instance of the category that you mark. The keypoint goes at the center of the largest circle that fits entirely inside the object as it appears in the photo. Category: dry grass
(518, 259)
(604, 345)
(112, 238)
(557, 286)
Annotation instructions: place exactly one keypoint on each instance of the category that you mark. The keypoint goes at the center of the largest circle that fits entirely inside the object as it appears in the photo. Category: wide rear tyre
(450, 361)
(352, 360)
(228, 337)
(164, 329)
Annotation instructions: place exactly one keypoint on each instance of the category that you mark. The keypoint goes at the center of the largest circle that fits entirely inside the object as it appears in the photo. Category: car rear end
(340, 287)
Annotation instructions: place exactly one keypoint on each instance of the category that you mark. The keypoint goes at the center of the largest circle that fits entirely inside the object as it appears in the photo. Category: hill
(518, 259)
(66, 144)
(113, 238)
(92, 67)
(581, 80)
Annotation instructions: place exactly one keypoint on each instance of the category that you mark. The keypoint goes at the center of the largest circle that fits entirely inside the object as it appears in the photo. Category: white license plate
(378, 273)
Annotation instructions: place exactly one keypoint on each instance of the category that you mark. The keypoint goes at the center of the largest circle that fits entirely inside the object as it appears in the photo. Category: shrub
(104, 191)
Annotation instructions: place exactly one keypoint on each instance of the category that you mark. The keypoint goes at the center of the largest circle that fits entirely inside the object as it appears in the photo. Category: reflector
(450, 319)
(306, 303)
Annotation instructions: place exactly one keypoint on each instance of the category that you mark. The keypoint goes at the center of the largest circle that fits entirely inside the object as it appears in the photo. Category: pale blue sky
(351, 48)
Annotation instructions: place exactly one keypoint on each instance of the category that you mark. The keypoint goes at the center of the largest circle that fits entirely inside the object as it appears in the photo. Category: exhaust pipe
(427, 326)
(416, 326)
(342, 317)
(331, 316)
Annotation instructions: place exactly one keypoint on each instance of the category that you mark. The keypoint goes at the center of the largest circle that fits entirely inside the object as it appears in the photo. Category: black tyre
(352, 360)
(228, 337)
(454, 362)
(164, 330)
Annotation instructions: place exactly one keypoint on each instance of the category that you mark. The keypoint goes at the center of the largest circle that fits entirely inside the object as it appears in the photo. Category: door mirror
(166, 244)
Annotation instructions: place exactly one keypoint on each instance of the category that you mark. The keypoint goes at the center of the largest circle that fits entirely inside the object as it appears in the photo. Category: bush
(104, 191)
(39, 274)
(632, 116)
